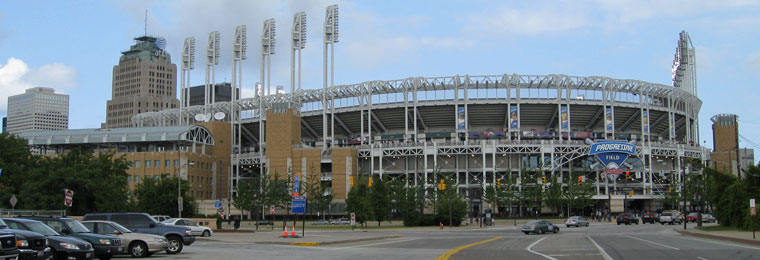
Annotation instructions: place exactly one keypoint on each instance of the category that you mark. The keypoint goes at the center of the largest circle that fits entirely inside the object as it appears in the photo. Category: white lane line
(717, 243)
(537, 253)
(601, 250)
(374, 244)
(674, 248)
(565, 255)
(701, 258)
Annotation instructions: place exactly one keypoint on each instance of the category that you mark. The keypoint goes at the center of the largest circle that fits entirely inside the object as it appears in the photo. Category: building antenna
(146, 23)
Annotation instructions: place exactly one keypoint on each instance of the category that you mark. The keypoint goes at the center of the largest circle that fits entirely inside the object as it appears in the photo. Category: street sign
(217, 204)
(13, 201)
(299, 205)
(69, 197)
(353, 219)
(296, 185)
(271, 210)
(752, 207)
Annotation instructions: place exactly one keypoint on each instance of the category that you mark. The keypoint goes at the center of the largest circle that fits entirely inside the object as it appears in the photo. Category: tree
(414, 196)
(249, 195)
(672, 197)
(381, 201)
(578, 196)
(532, 192)
(451, 207)
(553, 195)
(316, 193)
(358, 201)
(159, 197)
(16, 161)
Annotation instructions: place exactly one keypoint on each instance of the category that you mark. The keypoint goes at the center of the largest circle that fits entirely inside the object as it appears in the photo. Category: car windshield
(120, 227)
(693, 214)
(75, 226)
(2, 224)
(41, 228)
(169, 221)
(533, 222)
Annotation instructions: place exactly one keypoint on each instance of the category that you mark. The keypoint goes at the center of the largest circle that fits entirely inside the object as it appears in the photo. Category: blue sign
(299, 205)
(296, 185)
(612, 153)
(1, 171)
(218, 204)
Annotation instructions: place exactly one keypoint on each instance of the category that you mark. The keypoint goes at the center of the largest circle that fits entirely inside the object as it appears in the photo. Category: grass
(720, 228)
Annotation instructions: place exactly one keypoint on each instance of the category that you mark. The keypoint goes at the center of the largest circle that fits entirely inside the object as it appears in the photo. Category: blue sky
(73, 45)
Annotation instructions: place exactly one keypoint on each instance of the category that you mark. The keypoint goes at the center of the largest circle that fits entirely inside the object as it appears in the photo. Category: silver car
(576, 221)
(137, 244)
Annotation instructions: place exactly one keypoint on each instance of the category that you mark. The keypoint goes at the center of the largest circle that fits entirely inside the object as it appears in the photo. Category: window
(157, 163)
(166, 164)
(148, 176)
(137, 179)
(137, 164)
(140, 221)
(124, 220)
(104, 228)
(147, 163)
(176, 163)
(129, 179)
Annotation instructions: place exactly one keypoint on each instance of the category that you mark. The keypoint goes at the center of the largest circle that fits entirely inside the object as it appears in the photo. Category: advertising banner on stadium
(608, 119)
(672, 126)
(461, 124)
(645, 122)
(565, 119)
(513, 117)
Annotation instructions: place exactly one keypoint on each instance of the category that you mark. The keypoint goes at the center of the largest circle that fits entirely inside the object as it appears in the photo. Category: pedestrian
(237, 223)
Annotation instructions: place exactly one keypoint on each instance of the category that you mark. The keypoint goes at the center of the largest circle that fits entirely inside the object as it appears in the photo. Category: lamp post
(179, 175)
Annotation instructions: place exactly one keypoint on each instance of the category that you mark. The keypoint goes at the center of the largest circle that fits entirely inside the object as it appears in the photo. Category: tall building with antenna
(144, 81)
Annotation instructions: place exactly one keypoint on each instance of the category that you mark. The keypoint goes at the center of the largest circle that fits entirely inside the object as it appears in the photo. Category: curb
(717, 237)
(326, 243)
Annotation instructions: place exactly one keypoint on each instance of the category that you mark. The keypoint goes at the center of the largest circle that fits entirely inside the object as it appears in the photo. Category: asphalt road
(599, 241)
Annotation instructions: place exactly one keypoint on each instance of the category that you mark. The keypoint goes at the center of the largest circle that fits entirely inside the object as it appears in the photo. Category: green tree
(159, 197)
(451, 207)
(316, 193)
(16, 163)
(358, 201)
(578, 196)
(553, 194)
(532, 193)
(671, 198)
(380, 199)
(249, 195)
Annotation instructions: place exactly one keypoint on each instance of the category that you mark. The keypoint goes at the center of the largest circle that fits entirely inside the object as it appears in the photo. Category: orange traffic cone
(293, 231)
(285, 233)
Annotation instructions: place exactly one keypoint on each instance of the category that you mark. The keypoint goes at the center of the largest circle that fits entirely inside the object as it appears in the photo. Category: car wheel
(526, 232)
(206, 233)
(662, 223)
(138, 249)
(556, 229)
(105, 257)
(618, 223)
(586, 224)
(540, 230)
(175, 245)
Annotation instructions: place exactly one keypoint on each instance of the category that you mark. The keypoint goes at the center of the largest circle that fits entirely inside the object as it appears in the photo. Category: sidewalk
(744, 237)
(313, 238)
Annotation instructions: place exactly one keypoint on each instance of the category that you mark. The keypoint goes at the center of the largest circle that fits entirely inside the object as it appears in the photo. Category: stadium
(476, 130)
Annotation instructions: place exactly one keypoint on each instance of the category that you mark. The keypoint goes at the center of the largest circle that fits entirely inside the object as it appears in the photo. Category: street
(599, 241)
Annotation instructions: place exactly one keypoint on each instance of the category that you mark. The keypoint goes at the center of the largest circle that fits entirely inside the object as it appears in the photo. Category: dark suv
(105, 246)
(648, 218)
(61, 247)
(144, 223)
(31, 245)
(627, 218)
(8, 249)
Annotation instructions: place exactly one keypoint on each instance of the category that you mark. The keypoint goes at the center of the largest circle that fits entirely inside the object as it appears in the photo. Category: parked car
(9, 250)
(627, 218)
(31, 245)
(341, 221)
(576, 221)
(648, 218)
(61, 247)
(137, 244)
(539, 227)
(320, 223)
(105, 246)
(692, 217)
(160, 218)
(143, 223)
(265, 223)
(195, 229)
(670, 218)
(708, 218)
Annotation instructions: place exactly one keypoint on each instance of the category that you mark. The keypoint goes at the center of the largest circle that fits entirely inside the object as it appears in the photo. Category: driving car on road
(31, 245)
(61, 247)
(341, 221)
(105, 246)
(539, 227)
(143, 223)
(195, 229)
(648, 218)
(320, 223)
(692, 217)
(576, 221)
(137, 244)
(627, 218)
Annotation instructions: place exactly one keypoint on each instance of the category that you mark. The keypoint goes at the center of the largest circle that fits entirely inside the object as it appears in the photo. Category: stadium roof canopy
(188, 133)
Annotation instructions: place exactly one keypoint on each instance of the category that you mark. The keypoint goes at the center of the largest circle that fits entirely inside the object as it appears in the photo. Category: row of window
(169, 163)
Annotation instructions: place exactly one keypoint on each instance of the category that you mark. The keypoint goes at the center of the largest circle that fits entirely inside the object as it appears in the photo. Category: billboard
(672, 126)
(461, 124)
(645, 122)
(564, 119)
(608, 119)
(513, 117)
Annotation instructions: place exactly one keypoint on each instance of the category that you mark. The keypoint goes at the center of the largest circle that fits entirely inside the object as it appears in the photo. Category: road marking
(538, 253)
(374, 244)
(601, 250)
(718, 243)
(565, 255)
(653, 243)
(445, 256)
(702, 258)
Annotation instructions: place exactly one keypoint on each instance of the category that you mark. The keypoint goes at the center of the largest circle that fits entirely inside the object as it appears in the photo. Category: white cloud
(16, 76)
(530, 21)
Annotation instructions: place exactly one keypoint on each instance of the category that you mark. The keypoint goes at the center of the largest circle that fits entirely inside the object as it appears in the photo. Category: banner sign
(513, 117)
(612, 153)
(608, 119)
(564, 119)
(645, 122)
(672, 126)
(461, 125)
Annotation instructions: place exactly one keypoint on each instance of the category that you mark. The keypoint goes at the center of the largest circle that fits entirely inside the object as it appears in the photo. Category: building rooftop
(188, 133)
(147, 47)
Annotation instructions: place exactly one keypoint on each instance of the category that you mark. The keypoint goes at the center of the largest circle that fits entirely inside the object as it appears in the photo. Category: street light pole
(179, 186)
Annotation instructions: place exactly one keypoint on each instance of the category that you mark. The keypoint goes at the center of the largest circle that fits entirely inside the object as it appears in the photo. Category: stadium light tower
(212, 59)
(239, 48)
(331, 37)
(188, 63)
(267, 49)
(297, 43)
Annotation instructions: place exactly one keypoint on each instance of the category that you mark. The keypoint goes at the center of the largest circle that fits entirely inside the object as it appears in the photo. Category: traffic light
(580, 180)
(370, 182)
(627, 176)
(498, 183)
(543, 180)
(351, 180)
(442, 185)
